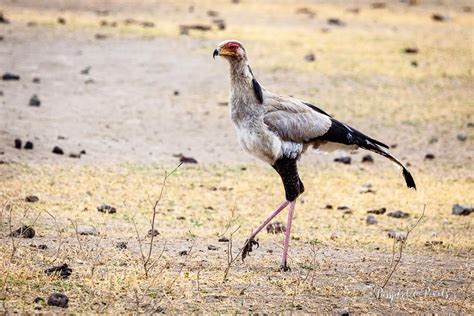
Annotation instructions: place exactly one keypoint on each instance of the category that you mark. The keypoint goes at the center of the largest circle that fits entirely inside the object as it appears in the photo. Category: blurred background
(134, 80)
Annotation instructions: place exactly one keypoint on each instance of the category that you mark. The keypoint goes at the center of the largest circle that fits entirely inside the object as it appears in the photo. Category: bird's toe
(284, 267)
(247, 249)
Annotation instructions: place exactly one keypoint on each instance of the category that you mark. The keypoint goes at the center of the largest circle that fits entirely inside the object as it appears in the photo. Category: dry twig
(395, 262)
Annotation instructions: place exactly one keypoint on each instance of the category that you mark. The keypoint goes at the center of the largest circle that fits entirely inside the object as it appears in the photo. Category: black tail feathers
(376, 148)
(408, 178)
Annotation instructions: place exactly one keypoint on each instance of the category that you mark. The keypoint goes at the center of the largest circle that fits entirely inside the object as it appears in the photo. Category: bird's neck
(240, 75)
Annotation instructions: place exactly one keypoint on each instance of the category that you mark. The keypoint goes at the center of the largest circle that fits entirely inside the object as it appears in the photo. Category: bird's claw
(284, 267)
(248, 247)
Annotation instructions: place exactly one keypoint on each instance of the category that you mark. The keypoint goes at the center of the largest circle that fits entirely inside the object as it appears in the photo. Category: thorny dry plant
(146, 259)
(396, 261)
(231, 258)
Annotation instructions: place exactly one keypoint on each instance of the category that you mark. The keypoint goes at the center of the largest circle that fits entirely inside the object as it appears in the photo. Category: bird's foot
(248, 247)
(284, 267)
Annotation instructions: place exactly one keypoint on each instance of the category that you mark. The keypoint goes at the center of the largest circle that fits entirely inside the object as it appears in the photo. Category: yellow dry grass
(201, 204)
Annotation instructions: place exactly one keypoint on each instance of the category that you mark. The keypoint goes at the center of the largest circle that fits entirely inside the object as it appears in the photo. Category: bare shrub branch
(230, 256)
(146, 259)
(397, 256)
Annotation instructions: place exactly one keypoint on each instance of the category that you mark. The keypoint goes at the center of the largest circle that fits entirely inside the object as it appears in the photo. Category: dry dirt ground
(151, 93)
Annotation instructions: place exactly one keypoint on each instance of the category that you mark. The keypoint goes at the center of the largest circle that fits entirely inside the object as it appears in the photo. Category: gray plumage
(271, 126)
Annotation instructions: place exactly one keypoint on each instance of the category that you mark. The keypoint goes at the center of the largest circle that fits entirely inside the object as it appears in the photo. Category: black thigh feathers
(288, 171)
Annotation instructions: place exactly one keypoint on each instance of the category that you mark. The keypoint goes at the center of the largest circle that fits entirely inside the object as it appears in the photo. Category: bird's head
(231, 50)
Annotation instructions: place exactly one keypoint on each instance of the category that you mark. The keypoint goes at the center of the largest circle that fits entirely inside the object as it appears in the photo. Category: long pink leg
(248, 244)
(284, 265)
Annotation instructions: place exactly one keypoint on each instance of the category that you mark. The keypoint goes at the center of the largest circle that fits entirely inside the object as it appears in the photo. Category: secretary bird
(279, 129)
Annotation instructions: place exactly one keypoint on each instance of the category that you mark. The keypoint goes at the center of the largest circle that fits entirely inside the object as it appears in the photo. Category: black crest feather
(257, 89)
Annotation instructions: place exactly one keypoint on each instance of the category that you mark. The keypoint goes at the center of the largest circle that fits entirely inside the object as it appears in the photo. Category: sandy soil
(151, 93)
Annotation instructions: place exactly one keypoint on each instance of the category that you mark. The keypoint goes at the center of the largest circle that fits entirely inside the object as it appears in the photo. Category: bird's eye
(232, 46)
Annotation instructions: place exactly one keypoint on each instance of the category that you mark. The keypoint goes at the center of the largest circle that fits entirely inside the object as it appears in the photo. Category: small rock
(461, 137)
(470, 124)
(3, 20)
(87, 230)
(153, 232)
(211, 247)
(223, 239)
(104, 208)
(343, 207)
(353, 10)
(176, 92)
(398, 214)
(212, 13)
(310, 57)
(220, 23)
(328, 207)
(18, 143)
(62, 271)
(100, 36)
(378, 5)
(223, 103)
(397, 235)
(89, 81)
(335, 21)
(344, 312)
(75, 155)
(180, 218)
(429, 156)
(148, 24)
(57, 150)
(31, 199)
(367, 159)
(58, 299)
(36, 80)
(463, 210)
(371, 220)
(23, 232)
(38, 300)
(184, 159)
(121, 245)
(433, 140)
(310, 13)
(433, 243)
(467, 9)
(414, 63)
(410, 50)
(366, 188)
(86, 70)
(61, 20)
(34, 101)
(10, 77)
(183, 253)
(276, 228)
(345, 160)
(28, 145)
(378, 211)
(41, 246)
(438, 17)
(184, 29)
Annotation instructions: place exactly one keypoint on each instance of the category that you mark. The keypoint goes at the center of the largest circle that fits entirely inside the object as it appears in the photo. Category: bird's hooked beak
(215, 53)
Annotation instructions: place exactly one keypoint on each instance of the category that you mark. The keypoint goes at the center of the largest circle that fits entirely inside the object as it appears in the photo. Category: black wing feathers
(316, 108)
(343, 134)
